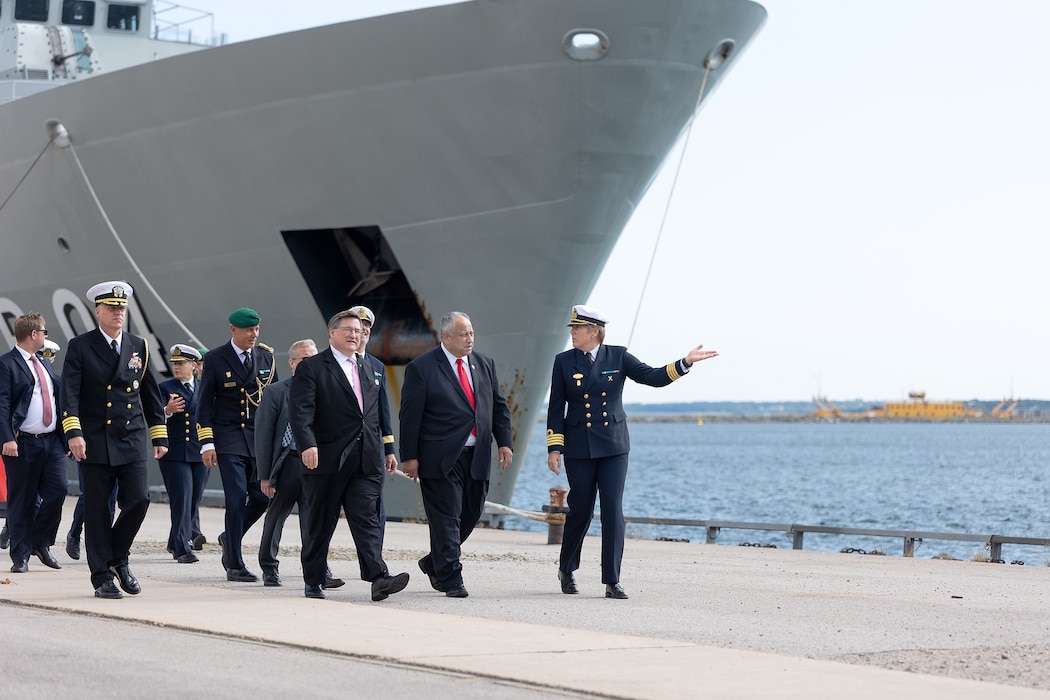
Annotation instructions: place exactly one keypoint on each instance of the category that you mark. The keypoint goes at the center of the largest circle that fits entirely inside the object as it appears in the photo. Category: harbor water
(976, 478)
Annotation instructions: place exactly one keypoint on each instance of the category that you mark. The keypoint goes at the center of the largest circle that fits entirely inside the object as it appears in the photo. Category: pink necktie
(465, 383)
(355, 382)
(44, 393)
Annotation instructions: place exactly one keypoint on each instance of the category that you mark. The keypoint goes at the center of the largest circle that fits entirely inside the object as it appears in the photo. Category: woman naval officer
(586, 421)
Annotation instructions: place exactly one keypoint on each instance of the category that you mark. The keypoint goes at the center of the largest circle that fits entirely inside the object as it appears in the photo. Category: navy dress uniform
(587, 424)
(182, 467)
(231, 390)
(111, 400)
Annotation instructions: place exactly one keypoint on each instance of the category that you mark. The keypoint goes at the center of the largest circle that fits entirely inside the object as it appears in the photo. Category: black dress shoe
(385, 586)
(457, 591)
(568, 582)
(44, 555)
(108, 590)
(20, 567)
(271, 580)
(314, 592)
(198, 542)
(427, 567)
(187, 558)
(222, 543)
(615, 590)
(332, 582)
(241, 576)
(5, 537)
(73, 546)
(127, 581)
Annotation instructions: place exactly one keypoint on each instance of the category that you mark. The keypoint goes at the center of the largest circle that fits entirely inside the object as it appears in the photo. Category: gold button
(242, 402)
(586, 405)
(187, 439)
(109, 387)
(109, 405)
(242, 415)
(605, 415)
(586, 396)
(242, 425)
(128, 390)
(108, 422)
(242, 389)
(603, 393)
(606, 424)
(588, 415)
(588, 425)
(129, 405)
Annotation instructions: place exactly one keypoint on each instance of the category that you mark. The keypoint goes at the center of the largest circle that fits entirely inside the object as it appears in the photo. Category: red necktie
(465, 383)
(46, 395)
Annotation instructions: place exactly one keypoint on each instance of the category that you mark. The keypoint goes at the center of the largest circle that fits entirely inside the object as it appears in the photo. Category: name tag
(229, 385)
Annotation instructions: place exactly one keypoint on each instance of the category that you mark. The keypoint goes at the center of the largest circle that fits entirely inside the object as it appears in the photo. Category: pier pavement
(703, 620)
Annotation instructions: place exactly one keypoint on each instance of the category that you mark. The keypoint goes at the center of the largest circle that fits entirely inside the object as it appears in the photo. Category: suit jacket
(385, 425)
(17, 382)
(182, 431)
(585, 416)
(270, 422)
(436, 417)
(229, 395)
(114, 404)
(325, 414)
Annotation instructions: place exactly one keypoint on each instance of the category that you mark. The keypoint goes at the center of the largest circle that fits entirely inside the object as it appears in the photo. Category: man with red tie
(451, 410)
(33, 449)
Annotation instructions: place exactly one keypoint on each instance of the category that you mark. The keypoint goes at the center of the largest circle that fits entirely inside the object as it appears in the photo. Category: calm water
(976, 478)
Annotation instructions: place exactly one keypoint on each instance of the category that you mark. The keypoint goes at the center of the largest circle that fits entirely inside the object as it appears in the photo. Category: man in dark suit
(334, 406)
(586, 421)
(110, 404)
(232, 385)
(280, 469)
(33, 449)
(368, 319)
(451, 410)
(182, 468)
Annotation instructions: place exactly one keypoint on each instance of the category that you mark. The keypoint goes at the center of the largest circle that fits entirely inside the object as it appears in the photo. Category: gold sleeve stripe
(555, 439)
(388, 439)
(158, 432)
(672, 371)
(71, 423)
(204, 434)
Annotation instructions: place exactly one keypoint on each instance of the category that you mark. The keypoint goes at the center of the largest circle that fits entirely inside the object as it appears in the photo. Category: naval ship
(482, 156)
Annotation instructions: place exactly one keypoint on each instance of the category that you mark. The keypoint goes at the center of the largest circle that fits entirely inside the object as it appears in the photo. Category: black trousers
(357, 494)
(39, 470)
(453, 505)
(587, 478)
(289, 487)
(183, 481)
(108, 542)
(245, 502)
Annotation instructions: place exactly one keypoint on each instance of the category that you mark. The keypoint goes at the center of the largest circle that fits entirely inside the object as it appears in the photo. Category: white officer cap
(184, 353)
(364, 313)
(587, 316)
(50, 349)
(110, 293)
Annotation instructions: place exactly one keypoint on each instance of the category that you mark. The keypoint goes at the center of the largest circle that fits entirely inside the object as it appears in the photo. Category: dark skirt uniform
(182, 467)
(114, 404)
(587, 424)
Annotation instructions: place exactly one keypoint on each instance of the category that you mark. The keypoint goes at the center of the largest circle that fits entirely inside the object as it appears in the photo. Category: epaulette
(265, 347)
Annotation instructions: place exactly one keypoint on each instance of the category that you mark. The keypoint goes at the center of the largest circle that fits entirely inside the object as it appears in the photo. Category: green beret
(244, 318)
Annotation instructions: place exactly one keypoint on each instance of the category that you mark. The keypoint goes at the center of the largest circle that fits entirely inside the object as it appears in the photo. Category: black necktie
(590, 358)
(247, 360)
(189, 389)
(113, 347)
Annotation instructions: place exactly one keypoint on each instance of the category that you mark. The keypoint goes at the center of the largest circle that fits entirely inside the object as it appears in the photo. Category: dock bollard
(556, 515)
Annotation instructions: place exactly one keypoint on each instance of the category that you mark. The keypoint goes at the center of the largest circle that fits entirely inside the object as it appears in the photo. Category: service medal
(135, 363)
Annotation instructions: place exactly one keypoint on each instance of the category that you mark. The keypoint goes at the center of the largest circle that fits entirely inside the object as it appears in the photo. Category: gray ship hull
(440, 159)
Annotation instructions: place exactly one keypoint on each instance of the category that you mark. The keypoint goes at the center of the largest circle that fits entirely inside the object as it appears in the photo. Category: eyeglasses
(41, 330)
(349, 330)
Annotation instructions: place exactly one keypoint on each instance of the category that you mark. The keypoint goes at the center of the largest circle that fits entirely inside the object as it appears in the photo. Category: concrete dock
(702, 621)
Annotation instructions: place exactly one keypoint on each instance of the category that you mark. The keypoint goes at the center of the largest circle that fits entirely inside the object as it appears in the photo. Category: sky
(861, 211)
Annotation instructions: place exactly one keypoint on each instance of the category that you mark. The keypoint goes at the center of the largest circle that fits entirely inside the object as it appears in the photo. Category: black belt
(39, 436)
(469, 449)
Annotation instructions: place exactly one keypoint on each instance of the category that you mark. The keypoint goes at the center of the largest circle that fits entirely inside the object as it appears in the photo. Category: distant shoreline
(803, 418)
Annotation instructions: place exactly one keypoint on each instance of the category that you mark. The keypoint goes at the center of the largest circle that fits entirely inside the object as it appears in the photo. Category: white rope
(667, 205)
(102, 210)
